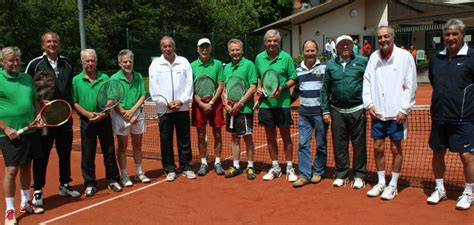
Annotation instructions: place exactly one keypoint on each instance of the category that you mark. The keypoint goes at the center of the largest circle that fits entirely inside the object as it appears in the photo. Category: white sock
(394, 180)
(218, 160)
(138, 169)
(25, 196)
(236, 164)
(10, 202)
(250, 164)
(124, 172)
(440, 184)
(203, 161)
(381, 176)
(275, 164)
(289, 165)
(468, 188)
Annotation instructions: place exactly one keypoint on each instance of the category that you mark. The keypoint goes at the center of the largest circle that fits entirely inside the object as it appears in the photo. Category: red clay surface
(215, 200)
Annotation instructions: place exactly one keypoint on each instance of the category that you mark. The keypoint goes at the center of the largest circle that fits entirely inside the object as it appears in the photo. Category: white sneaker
(272, 174)
(66, 190)
(376, 190)
(291, 175)
(142, 178)
(189, 174)
(338, 182)
(171, 176)
(464, 201)
(126, 182)
(437, 196)
(389, 192)
(37, 198)
(358, 183)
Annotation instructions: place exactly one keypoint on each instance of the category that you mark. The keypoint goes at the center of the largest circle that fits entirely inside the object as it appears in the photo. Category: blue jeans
(306, 125)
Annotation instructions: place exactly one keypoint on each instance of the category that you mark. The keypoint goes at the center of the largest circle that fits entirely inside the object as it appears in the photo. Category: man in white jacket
(171, 76)
(388, 94)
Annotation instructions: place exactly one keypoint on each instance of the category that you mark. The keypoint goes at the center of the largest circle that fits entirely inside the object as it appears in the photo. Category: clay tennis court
(215, 200)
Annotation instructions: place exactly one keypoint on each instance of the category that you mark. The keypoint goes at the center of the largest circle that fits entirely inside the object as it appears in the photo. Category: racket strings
(109, 95)
(270, 82)
(204, 87)
(56, 113)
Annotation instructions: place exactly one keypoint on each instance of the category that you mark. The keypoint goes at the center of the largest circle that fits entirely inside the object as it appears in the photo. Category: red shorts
(215, 117)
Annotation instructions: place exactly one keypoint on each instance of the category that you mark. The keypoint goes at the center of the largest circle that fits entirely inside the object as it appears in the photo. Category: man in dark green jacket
(342, 106)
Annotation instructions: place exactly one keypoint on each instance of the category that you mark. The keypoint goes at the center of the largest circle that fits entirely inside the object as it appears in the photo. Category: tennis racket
(52, 114)
(234, 91)
(152, 108)
(270, 84)
(204, 87)
(109, 95)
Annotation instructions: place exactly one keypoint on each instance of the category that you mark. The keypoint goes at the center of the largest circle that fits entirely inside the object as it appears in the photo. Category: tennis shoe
(376, 190)
(170, 177)
(66, 190)
(90, 191)
(31, 208)
(437, 196)
(358, 183)
(232, 172)
(250, 171)
(189, 174)
(125, 181)
(291, 175)
(302, 181)
(389, 192)
(316, 178)
(272, 174)
(464, 201)
(142, 178)
(339, 182)
(38, 197)
(219, 170)
(115, 186)
(10, 218)
(203, 169)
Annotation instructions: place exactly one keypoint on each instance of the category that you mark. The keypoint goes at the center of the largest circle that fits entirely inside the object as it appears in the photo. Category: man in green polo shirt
(128, 111)
(275, 111)
(243, 111)
(18, 106)
(85, 86)
(212, 110)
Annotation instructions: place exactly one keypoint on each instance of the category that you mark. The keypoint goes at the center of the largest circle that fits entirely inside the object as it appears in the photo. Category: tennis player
(276, 112)
(243, 111)
(451, 74)
(60, 69)
(128, 111)
(389, 94)
(18, 107)
(85, 86)
(211, 111)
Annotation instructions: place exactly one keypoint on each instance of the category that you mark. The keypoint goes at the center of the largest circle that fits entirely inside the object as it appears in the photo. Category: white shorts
(118, 123)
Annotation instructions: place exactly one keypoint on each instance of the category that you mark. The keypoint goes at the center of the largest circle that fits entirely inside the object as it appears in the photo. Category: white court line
(131, 192)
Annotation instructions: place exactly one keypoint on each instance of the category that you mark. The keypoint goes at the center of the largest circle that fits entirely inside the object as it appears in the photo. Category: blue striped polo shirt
(310, 82)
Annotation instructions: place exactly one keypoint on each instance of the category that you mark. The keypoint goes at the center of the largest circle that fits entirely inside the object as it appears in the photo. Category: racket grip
(231, 123)
(126, 125)
(21, 131)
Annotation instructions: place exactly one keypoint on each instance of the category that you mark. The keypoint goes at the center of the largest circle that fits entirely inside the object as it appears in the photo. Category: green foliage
(299, 58)
(422, 65)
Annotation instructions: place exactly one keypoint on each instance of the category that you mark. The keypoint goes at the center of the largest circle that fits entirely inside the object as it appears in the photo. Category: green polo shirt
(85, 92)
(213, 68)
(134, 89)
(283, 63)
(245, 69)
(17, 96)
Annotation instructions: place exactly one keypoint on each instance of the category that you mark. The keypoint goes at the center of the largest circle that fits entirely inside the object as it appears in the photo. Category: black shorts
(243, 124)
(280, 117)
(20, 151)
(456, 138)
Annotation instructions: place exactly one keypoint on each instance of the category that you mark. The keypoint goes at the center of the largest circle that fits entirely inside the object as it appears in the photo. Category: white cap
(343, 37)
(203, 41)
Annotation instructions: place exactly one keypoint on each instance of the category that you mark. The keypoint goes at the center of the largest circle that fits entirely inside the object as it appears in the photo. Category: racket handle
(231, 123)
(126, 125)
(21, 131)
(257, 104)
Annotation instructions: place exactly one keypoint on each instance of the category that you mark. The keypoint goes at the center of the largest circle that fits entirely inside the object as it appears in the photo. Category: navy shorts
(390, 128)
(456, 138)
(279, 117)
(243, 124)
